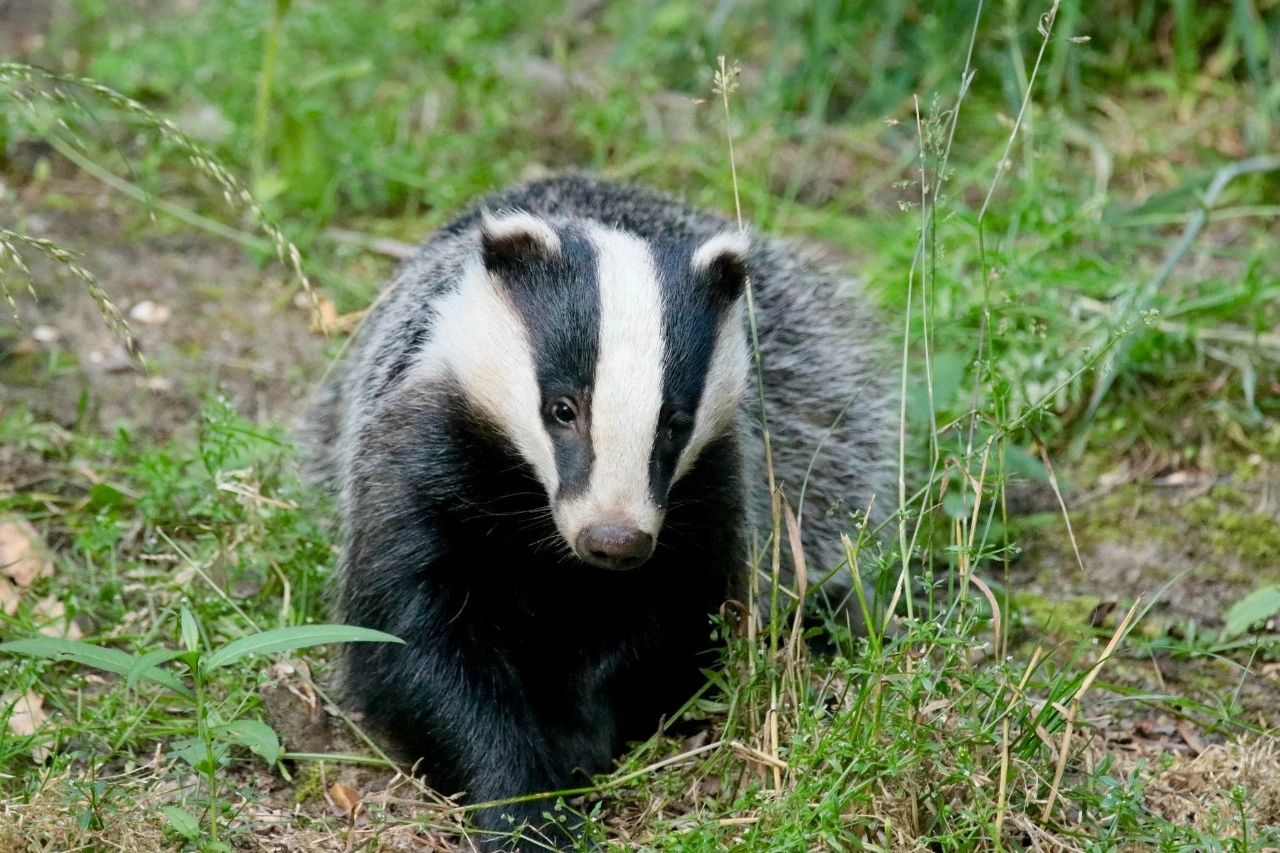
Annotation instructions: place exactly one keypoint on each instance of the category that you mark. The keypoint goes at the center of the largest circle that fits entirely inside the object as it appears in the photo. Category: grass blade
(299, 637)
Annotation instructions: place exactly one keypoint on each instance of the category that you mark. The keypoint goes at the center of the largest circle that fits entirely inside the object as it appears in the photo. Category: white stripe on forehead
(626, 396)
(481, 343)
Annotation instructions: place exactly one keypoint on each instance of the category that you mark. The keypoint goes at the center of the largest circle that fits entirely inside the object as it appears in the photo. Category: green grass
(1014, 285)
(153, 534)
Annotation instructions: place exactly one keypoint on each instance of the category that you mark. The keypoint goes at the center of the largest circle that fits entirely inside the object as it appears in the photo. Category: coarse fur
(525, 667)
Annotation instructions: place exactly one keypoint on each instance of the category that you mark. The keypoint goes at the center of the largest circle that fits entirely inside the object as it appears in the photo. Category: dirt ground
(207, 321)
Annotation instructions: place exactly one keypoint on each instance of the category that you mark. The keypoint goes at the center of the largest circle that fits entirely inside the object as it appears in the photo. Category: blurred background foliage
(401, 105)
(384, 117)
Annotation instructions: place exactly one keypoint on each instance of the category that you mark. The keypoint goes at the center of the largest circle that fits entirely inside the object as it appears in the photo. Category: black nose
(614, 546)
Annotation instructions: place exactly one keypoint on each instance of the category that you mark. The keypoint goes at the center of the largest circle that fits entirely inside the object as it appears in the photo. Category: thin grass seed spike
(25, 84)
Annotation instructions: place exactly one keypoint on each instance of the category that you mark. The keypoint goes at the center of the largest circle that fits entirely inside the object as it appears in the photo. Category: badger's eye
(562, 411)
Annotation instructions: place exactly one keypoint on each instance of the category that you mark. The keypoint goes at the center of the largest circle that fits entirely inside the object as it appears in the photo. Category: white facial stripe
(480, 341)
(727, 375)
(516, 223)
(626, 396)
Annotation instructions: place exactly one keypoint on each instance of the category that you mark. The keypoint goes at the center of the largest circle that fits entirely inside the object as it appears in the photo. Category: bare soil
(208, 321)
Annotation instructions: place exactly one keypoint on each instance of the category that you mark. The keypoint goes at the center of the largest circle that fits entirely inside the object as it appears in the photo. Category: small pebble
(151, 313)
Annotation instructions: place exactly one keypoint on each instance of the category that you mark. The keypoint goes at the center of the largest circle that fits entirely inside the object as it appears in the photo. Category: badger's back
(828, 397)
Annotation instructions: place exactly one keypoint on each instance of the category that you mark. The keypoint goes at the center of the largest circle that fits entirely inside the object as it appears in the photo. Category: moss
(1222, 528)
(1235, 527)
(1216, 546)
(310, 785)
(1061, 618)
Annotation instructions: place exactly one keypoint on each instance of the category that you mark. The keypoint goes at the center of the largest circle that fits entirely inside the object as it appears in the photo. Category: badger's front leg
(452, 701)
(452, 696)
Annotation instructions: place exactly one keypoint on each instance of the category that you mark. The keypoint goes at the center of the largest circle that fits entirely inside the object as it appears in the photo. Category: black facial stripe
(574, 456)
(558, 300)
(691, 318)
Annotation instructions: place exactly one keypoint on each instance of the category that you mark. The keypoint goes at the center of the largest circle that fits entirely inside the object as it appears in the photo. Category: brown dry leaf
(698, 739)
(347, 323)
(9, 597)
(22, 553)
(325, 319)
(1098, 617)
(1181, 478)
(51, 615)
(933, 707)
(28, 712)
(345, 800)
(26, 718)
(1189, 735)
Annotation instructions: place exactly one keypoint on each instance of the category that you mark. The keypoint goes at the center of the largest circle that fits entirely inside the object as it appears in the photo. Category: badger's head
(609, 362)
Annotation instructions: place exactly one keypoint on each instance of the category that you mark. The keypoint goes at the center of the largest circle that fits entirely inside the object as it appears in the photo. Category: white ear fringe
(512, 224)
(735, 244)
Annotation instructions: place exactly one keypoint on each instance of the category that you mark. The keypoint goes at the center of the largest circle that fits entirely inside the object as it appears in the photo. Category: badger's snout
(614, 545)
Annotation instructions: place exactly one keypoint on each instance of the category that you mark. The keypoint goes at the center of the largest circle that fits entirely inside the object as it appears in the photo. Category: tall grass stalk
(266, 77)
(926, 243)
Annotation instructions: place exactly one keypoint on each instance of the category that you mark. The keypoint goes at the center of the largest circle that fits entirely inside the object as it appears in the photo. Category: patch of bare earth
(207, 320)
(1191, 543)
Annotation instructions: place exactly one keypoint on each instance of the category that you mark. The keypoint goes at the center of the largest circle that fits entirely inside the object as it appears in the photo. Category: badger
(547, 446)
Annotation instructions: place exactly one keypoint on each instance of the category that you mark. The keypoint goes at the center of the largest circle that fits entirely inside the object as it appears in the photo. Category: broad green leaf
(104, 495)
(149, 660)
(190, 631)
(98, 657)
(1018, 461)
(1255, 607)
(948, 372)
(258, 737)
(189, 749)
(193, 751)
(182, 822)
(958, 505)
(300, 637)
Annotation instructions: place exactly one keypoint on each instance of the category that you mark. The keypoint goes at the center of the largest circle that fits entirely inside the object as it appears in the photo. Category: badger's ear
(723, 259)
(511, 237)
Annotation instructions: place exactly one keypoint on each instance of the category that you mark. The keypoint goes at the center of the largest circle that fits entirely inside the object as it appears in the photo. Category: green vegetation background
(1020, 223)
